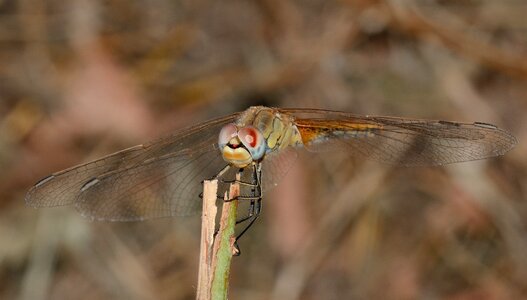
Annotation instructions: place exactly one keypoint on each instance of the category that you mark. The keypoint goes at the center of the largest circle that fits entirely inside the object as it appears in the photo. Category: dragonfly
(163, 178)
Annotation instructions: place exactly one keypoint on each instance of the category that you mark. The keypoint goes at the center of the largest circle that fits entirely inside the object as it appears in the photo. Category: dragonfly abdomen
(354, 133)
(315, 132)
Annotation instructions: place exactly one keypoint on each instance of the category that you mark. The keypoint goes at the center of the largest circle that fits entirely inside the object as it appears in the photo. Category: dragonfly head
(241, 146)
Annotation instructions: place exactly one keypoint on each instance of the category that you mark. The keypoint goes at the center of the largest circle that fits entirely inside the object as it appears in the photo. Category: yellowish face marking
(239, 157)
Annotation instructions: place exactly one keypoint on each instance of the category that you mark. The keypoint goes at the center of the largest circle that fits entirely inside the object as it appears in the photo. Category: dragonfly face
(241, 146)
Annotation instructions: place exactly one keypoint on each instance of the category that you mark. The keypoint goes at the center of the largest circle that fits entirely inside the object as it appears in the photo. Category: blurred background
(80, 79)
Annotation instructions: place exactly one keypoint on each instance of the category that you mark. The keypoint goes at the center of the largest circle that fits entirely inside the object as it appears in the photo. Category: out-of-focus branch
(410, 18)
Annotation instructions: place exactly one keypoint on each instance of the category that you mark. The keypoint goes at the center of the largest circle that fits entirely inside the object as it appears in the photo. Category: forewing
(401, 141)
(62, 188)
(158, 179)
(168, 186)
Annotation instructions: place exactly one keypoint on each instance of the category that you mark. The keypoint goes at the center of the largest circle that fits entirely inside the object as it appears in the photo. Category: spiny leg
(253, 217)
(217, 177)
(241, 182)
(222, 172)
(251, 220)
(255, 208)
(249, 214)
(254, 184)
(256, 195)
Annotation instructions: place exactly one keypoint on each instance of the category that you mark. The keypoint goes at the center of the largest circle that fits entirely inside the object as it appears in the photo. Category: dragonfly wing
(163, 187)
(159, 179)
(276, 165)
(61, 188)
(401, 141)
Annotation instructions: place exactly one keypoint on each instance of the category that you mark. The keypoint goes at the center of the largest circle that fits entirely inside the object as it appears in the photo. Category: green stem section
(224, 253)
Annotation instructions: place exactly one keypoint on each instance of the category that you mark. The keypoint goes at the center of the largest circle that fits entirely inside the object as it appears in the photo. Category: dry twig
(216, 250)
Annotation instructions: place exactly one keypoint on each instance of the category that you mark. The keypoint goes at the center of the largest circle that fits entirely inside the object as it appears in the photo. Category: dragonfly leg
(217, 177)
(249, 214)
(254, 209)
(251, 220)
(254, 184)
(217, 196)
(252, 198)
(241, 182)
(219, 174)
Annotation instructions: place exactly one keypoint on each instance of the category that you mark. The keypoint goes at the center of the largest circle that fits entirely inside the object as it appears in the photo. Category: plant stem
(216, 252)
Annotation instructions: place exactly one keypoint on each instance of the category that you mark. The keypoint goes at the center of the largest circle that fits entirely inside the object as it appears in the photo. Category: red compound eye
(249, 136)
(226, 134)
(253, 140)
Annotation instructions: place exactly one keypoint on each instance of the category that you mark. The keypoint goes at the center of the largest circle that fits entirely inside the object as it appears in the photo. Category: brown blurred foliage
(80, 79)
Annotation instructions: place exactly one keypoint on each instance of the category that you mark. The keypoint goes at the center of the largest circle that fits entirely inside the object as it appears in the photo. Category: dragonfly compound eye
(253, 140)
(227, 133)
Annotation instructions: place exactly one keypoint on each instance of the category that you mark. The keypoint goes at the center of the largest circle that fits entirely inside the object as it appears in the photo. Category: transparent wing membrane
(61, 188)
(162, 178)
(160, 188)
(400, 141)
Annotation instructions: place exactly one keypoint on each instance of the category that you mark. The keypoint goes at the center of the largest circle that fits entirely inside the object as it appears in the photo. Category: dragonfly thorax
(241, 146)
